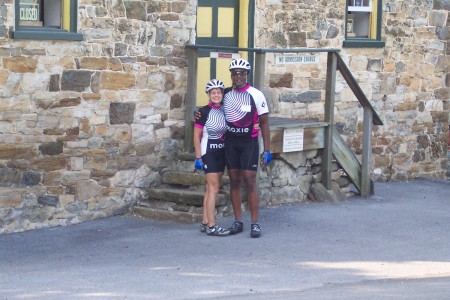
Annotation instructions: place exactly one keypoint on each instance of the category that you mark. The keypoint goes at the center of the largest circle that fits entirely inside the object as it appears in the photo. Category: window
(46, 20)
(363, 25)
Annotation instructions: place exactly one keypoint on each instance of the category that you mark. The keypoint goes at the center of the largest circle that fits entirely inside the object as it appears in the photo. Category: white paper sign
(295, 59)
(293, 140)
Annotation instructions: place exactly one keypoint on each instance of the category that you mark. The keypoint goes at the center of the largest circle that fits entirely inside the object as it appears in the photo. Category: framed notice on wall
(293, 140)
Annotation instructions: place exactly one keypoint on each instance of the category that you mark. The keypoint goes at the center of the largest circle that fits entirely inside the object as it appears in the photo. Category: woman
(209, 137)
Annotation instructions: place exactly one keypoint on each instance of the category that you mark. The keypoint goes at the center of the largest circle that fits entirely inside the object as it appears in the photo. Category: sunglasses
(239, 73)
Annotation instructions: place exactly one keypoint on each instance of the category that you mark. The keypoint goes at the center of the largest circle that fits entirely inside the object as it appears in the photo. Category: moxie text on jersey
(238, 130)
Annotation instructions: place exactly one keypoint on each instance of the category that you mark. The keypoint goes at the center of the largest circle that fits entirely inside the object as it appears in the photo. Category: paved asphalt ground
(394, 245)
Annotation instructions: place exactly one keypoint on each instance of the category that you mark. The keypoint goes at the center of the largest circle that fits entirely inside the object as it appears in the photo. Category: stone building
(92, 98)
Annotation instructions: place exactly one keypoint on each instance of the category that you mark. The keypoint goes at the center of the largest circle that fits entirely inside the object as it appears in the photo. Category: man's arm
(264, 125)
(197, 138)
(197, 115)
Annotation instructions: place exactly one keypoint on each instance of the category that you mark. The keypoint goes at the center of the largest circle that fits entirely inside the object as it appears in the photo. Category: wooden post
(366, 152)
(190, 100)
(327, 155)
(259, 70)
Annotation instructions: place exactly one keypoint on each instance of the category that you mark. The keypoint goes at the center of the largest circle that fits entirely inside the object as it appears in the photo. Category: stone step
(181, 196)
(188, 178)
(448, 161)
(166, 215)
(183, 178)
(186, 156)
(175, 212)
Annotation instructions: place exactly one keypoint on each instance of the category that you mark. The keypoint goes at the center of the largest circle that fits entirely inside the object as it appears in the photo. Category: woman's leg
(205, 213)
(212, 188)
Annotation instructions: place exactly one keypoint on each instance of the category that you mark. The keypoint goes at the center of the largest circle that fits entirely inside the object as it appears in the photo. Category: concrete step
(176, 212)
(166, 215)
(185, 156)
(188, 178)
(182, 196)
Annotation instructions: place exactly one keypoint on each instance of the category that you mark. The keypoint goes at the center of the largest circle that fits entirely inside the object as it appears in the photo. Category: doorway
(219, 23)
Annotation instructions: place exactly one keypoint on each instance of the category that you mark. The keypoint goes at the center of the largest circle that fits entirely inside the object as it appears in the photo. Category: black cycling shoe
(217, 231)
(255, 232)
(236, 228)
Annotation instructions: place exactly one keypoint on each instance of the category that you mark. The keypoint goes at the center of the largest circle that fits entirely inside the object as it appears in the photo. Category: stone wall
(85, 126)
(407, 81)
(295, 177)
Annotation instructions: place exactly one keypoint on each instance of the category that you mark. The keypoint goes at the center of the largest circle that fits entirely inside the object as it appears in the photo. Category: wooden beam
(327, 155)
(366, 159)
(313, 139)
(190, 100)
(259, 71)
(354, 86)
(347, 159)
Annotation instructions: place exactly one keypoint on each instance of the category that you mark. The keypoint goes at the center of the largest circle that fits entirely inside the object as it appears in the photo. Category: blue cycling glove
(198, 164)
(266, 157)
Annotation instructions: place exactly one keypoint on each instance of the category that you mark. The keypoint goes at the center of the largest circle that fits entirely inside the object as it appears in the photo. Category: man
(244, 106)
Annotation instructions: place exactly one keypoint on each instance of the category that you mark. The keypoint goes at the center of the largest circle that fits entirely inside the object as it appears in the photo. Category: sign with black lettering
(295, 59)
(293, 140)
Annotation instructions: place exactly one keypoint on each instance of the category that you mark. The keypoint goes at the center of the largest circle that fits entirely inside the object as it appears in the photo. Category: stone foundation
(295, 177)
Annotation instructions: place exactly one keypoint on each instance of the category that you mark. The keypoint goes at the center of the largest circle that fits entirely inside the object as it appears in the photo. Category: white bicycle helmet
(239, 64)
(214, 84)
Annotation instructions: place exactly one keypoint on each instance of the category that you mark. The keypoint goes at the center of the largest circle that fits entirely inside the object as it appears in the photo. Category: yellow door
(217, 24)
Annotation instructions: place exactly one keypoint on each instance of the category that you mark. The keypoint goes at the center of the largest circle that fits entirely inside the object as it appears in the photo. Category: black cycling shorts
(241, 153)
(214, 161)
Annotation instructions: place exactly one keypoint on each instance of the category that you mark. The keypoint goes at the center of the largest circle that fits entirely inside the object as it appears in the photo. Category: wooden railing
(358, 173)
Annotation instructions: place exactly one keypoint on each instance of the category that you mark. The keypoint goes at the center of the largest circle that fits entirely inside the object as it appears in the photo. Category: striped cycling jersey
(242, 108)
(212, 122)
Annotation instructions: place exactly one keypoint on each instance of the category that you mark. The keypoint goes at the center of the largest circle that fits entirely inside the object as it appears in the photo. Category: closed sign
(29, 11)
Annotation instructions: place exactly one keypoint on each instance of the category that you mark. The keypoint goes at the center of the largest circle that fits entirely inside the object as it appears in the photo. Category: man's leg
(249, 178)
(235, 192)
(236, 201)
(233, 149)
